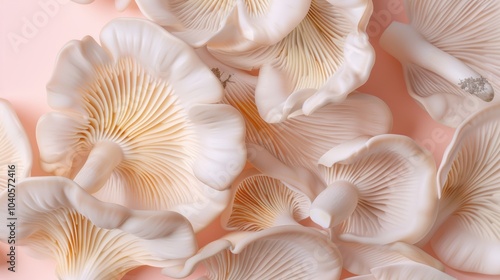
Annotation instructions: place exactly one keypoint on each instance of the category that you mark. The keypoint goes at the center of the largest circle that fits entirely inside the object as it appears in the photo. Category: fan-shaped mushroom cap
(284, 252)
(450, 55)
(260, 201)
(326, 57)
(91, 239)
(15, 149)
(215, 22)
(468, 238)
(410, 271)
(141, 109)
(120, 5)
(301, 140)
(380, 190)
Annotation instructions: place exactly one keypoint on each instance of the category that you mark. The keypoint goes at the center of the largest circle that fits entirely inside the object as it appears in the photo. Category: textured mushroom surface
(136, 123)
(284, 252)
(322, 60)
(380, 190)
(450, 54)
(15, 150)
(468, 237)
(90, 239)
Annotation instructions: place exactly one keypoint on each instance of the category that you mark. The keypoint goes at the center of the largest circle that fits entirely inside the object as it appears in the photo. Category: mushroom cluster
(248, 111)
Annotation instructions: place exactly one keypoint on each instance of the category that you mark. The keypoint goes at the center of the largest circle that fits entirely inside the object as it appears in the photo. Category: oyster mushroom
(120, 5)
(322, 60)
(260, 202)
(135, 123)
(466, 235)
(410, 271)
(15, 149)
(90, 239)
(302, 140)
(284, 252)
(212, 22)
(450, 53)
(380, 191)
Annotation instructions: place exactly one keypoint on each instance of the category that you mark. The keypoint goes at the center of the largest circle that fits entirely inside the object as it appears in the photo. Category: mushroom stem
(101, 162)
(408, 46)
(285, 220)
(335, 204)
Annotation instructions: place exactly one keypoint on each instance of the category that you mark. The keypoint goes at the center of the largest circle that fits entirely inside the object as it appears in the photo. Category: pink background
(32, 35)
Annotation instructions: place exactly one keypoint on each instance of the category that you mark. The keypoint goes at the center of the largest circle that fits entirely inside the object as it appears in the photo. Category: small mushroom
(136, 124)
(90, 239)
(301, 140)
(15, 150)
(214, 22)
(326, 57)
(466, 235)
(380, 191)
(120, 5)
(450, 54)
(284, 252)
(260, 202)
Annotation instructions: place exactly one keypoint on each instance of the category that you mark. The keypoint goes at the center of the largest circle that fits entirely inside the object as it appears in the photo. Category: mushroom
(260, 202)
(135, 123)
(450, 54)
(284, 252)
(15, 149)
(322, 60)
(362, 259)
(301, 140)
(466, 235)
(211, 22)
(380, 191)
(120, 5)
(410, 271)
(91, 239)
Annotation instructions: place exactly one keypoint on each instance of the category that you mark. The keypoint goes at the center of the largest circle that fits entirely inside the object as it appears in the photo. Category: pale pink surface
(26, 68)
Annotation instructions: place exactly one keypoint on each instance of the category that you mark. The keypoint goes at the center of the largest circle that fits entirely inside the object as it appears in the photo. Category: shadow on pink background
(33, 32)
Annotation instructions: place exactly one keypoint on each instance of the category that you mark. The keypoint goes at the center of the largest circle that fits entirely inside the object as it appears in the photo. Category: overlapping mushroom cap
(138, 114)
(380, 191)
(284, 252)
(468, 237)
(214, 22)
(91, 239)
(15, 149)
(322, 60)
(450, 54)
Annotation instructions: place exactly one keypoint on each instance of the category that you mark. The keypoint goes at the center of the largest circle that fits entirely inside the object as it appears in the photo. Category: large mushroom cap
(138, 113)
(456, 73)
(90, 239)
(15, 150)
(285, 252)
(380, 190)
(469, 218)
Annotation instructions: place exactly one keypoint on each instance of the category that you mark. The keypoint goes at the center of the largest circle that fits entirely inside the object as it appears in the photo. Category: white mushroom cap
(91, 239)
(216, 22)
(15, 149)
(410, 271)
(380, 191)
(141, 109)
(322, 60)
(468, 235)
(260, 201)
(450, 54)
(284, 252)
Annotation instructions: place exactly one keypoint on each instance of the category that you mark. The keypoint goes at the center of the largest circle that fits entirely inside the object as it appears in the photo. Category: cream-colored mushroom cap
(450, 53)
(284, 252)
(260, 201)
(380, 191)
(326, 57)
(90, 239)
(468, 224)
(136, 123)
(220, 22)
(410, 271)
(15, 150)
